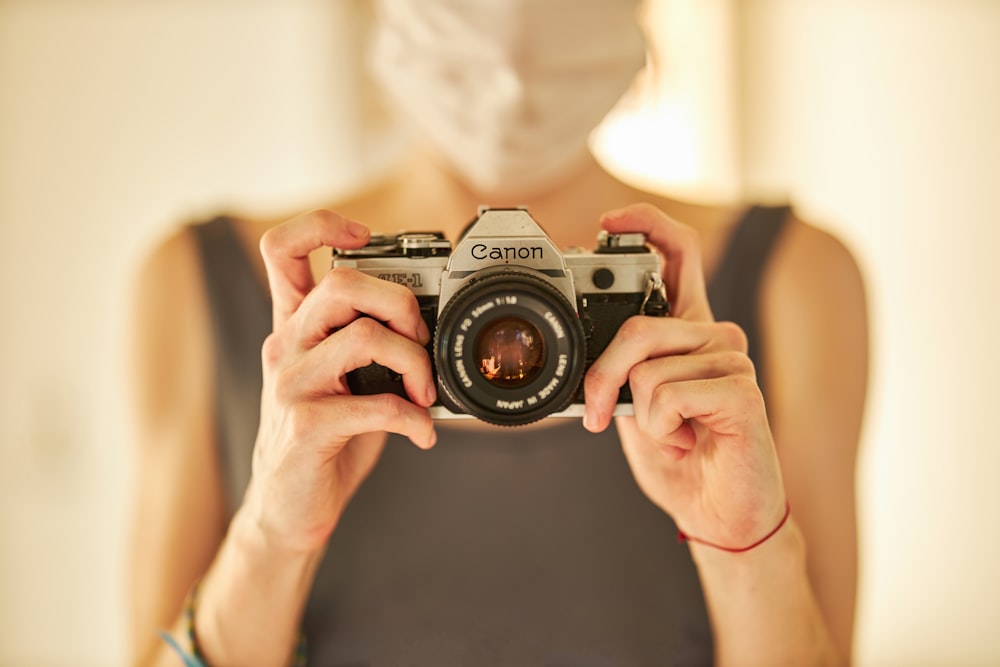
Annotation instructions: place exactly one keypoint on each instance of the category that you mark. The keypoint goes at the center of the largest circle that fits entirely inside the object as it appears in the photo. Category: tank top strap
(241, 319)
(734, 291)
(226, 263)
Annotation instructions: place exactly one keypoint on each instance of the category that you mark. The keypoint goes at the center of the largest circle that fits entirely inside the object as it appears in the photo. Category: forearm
(762, 606)
(249, 604)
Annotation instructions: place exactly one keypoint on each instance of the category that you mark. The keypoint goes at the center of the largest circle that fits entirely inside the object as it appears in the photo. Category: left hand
(699, 443)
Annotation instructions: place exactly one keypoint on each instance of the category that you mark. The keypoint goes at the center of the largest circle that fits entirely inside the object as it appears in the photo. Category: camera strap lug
(654, 284)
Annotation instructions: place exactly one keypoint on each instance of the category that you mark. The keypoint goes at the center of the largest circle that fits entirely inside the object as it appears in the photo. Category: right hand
(317, 442)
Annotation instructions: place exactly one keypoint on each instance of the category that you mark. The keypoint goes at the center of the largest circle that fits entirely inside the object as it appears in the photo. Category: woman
(270, 501)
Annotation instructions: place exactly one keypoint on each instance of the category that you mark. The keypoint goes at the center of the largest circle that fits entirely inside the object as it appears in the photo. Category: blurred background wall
(878, 118)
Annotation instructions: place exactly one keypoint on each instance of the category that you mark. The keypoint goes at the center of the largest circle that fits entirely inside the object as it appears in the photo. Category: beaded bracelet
(684, 537)
(195, 659)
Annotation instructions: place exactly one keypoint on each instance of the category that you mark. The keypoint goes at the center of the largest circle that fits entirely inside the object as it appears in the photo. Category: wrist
(265, 525)
(249, 605)
(784, 550)
(684, 537)
(762, 605)
(260, 548)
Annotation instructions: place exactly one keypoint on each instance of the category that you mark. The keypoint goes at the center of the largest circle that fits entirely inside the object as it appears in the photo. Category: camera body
(515, 323)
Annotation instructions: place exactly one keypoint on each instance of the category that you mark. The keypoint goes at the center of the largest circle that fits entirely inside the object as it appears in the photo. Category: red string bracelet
(684, 537)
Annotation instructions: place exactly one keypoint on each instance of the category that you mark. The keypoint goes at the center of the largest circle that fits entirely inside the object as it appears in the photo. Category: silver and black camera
(515, 323)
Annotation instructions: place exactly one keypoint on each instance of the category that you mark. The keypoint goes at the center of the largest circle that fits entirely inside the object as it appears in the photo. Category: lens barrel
(509, 348)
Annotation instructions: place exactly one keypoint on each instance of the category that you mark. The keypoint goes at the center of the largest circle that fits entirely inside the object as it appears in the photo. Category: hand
(699, 443)
(317, 442)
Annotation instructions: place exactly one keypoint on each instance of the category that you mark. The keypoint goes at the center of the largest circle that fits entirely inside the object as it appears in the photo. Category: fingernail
(357, 230)
(431, 392)
(589, 421)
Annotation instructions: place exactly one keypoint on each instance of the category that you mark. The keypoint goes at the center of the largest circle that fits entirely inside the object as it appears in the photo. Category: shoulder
(170, 276)
(809, 258)
(813, 278)
(814, 316)
(169, 280)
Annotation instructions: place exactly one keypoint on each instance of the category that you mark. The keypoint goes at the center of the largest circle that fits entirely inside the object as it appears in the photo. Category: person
(274, 504)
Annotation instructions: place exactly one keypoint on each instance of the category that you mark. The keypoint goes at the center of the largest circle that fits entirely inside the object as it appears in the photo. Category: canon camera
(514, 322)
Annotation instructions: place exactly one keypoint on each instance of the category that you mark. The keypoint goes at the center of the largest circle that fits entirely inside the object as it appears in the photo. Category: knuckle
(404, 296)
(746, 367)
(390, 406)
(364, 332)
(317, 220)
(411, 303)
(269, 242)
(646, 209)
(748, 390)
(272, 350)
(663, 394)
(733, 336)
(321, 216)
(738, 363)
(337, 285)
(633, 329)
(339, 279)
(643, 379)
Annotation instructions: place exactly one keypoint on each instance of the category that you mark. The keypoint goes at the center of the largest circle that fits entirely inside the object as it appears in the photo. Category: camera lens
(509, 348)
(511, 352)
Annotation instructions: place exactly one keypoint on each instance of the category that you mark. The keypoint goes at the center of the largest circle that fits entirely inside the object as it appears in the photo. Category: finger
(343, 417)
(681, 249)
(730, 407)
(638, 454)
(344, 294)
(647, 377)
(286, 249)
(322, 370)
(641, 338)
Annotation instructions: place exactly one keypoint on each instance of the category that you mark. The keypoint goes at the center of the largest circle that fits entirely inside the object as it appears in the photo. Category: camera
(514, 322)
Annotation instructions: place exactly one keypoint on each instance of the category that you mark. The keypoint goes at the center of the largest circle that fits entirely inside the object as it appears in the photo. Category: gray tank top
(486, 550)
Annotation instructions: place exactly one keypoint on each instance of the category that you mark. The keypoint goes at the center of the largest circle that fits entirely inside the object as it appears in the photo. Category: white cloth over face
(507, 92)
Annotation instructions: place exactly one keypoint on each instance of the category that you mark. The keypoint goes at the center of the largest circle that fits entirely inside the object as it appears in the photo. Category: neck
(565, 210)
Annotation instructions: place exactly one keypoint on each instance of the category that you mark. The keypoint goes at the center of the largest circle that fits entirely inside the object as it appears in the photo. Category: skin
(701, 445)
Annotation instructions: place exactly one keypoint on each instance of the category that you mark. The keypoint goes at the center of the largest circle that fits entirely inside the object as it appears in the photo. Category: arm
(178, 520)
(701, 448)
(314, 446)
(814, 315)
(797, 592)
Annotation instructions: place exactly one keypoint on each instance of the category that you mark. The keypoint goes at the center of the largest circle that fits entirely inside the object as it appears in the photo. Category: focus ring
(480, 304)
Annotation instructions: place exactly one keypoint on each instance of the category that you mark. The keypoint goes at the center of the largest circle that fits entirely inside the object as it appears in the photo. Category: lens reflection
(511, 352)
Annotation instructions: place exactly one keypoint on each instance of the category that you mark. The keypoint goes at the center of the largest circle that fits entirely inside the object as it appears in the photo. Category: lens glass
(510, 351)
